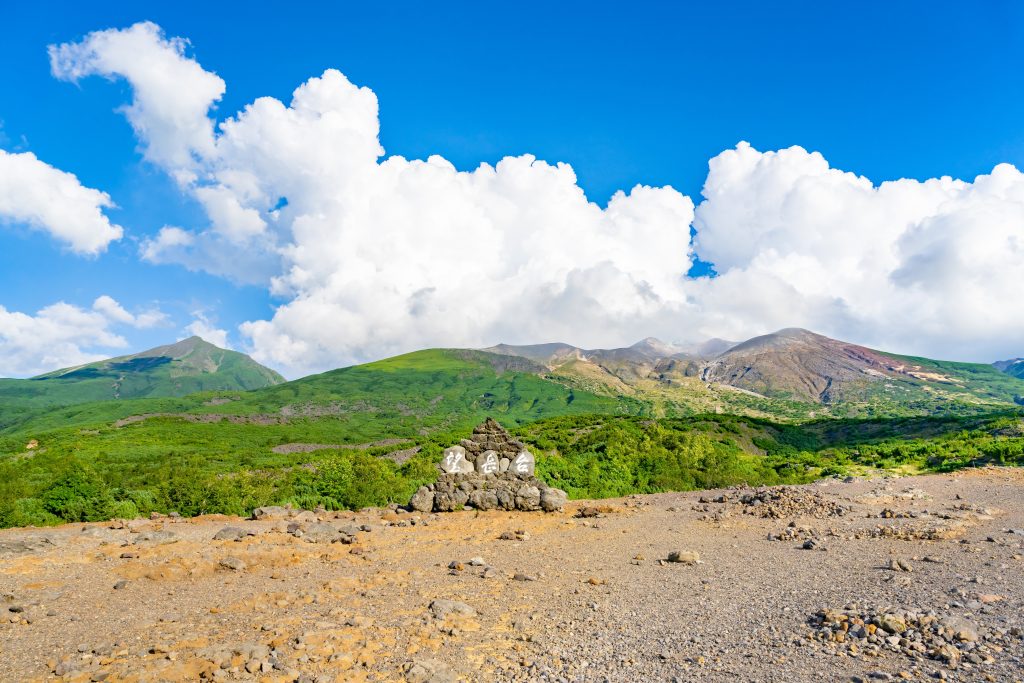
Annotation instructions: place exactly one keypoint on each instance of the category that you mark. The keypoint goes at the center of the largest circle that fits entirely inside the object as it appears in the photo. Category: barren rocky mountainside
(812, 367)
(791, 364)
(876, 579)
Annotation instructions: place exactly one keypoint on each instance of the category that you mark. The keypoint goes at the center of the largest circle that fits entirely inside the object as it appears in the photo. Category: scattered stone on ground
(684, 556)
(939, 635)
(563, 599)
(778, 502)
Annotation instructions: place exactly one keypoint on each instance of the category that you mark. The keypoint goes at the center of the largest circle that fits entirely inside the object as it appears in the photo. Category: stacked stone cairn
(488, 471)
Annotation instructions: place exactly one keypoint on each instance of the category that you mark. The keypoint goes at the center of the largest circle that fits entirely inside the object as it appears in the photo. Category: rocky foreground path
(889, 579)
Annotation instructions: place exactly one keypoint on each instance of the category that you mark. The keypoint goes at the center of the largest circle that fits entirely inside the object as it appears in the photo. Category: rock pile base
(504, 491)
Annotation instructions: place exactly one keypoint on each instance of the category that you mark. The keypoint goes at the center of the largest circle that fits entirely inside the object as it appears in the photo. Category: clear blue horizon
(641, 94)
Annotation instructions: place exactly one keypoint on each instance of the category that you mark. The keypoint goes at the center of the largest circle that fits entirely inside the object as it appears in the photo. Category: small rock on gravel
(428, 671)
(231, 533)
(233, 563)
(442, 609)
(684, 556)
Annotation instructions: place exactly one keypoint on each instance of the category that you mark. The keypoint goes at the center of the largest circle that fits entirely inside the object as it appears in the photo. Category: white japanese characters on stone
(523, 464)
(454, 461)
(487, 463)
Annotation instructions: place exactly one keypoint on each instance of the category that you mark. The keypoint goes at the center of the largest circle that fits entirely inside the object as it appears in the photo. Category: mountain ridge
(1013, 367)
(789, 364)
(792, 375)
(183, 367)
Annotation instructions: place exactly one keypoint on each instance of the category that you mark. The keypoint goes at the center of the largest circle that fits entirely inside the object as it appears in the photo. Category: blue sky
(641, 93)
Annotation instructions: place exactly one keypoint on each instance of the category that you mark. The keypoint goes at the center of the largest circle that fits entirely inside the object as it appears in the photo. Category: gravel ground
(888, 579)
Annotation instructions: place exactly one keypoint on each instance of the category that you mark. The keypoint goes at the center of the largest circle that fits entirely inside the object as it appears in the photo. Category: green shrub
(123, 509)
(79, 495)
(28, 512)
(333, 480)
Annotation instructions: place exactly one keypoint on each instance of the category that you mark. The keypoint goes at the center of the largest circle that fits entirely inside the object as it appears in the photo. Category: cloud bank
(932, 267)
(373, 255)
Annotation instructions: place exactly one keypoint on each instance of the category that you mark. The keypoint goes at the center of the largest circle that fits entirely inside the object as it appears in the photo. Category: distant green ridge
(185, 367)
(1013, 367)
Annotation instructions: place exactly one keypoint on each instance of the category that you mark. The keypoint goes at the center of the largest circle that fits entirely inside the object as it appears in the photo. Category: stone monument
(488, 471)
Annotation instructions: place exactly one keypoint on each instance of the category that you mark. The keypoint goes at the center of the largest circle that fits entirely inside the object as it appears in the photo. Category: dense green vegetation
(214, 452)
(593, 456)
(168, 463)
(217, 451)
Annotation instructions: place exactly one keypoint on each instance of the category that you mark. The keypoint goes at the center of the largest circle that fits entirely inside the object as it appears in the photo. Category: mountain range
(195, 428)
(790, 374)
(786, 367)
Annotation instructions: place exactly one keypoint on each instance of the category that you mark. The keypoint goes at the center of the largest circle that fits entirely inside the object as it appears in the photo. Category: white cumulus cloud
(64, 335)
(45, 198)
(202, 326)
(171, 93)
(930, 267)
(116, 313)
(376, 255)
(373, 255)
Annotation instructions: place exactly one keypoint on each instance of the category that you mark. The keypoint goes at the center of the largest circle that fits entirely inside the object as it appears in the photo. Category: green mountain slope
(178, 369)
(409, 394)
(1013, 367)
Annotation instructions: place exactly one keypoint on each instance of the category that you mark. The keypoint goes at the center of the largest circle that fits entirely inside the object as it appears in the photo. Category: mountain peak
(178, 349)
(654, 347)
(185, 366)
(780, 339)
(795, 333)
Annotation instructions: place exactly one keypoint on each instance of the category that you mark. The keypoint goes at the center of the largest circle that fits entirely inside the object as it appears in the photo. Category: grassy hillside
(412, 394)
(931, 386)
